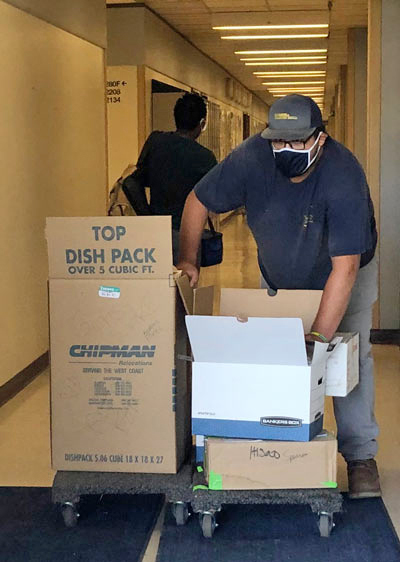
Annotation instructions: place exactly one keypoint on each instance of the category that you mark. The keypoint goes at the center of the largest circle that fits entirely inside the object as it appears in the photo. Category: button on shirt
(298, 227)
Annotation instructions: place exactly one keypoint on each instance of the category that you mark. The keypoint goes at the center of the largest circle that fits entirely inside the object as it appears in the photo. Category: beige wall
(356, 94)
(122, 119)
(390, 168)
(85, 18)
(52, 152)
(136, 36)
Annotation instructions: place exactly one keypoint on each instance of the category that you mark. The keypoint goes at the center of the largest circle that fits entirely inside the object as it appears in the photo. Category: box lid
(269, 341)
(286, 303)
(109, 247)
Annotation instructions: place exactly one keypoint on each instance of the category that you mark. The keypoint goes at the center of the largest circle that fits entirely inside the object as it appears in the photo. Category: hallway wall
(52, 152)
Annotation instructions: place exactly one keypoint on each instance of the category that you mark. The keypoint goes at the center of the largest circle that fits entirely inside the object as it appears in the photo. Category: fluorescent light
(308, 94)
(292, 26)
(316, 57)
(246, 37)
(291, 72)
(303, 89)
(292, 83)
(281, 52)
(292, 63)
(310, 74)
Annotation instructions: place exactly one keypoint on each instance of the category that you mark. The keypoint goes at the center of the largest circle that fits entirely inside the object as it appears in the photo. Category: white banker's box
(251, 379)
(342, 371)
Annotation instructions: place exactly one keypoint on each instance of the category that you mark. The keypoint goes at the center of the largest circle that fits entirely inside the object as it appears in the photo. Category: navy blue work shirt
(298, 227)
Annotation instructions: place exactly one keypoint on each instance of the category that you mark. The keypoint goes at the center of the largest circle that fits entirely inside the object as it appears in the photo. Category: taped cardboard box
(120, 399)
(240, 464)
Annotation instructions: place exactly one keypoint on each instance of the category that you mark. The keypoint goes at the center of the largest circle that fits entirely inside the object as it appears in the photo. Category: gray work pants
(355, 419)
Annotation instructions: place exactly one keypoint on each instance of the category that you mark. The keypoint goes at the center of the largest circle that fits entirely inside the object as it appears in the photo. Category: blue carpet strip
(285, 533)
(111, 528)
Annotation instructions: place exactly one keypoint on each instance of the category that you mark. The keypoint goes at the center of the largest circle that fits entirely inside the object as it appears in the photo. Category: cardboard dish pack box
(120, 399)
(241, 464)
(342, 370)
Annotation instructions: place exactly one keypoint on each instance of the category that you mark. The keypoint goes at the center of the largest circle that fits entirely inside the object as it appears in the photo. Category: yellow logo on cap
(285, 116)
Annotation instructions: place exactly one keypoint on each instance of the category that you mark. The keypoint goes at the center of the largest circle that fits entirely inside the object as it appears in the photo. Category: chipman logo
(281, 422)
(112, 351)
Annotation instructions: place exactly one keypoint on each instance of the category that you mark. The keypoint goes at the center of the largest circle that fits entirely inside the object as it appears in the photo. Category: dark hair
(189, 110)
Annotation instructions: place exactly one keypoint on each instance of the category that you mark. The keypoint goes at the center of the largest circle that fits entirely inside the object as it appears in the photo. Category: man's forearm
(336, 295)
(192, 225)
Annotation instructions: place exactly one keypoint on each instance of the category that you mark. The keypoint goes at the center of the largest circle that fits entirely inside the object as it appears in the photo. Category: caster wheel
(208, 524)
(181, 513)
(70, 515)
(325, 524)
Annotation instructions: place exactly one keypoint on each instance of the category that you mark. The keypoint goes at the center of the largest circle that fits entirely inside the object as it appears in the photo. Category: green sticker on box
(330, 484)
(200, 469)
(109, 292)
(215, 481)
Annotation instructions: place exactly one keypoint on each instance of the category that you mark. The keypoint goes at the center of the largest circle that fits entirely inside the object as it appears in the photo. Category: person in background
(170, 164)
(310, 211)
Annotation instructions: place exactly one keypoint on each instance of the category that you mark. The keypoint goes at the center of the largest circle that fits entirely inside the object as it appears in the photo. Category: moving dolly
(207, 503)
(186, 490)
(68, 487)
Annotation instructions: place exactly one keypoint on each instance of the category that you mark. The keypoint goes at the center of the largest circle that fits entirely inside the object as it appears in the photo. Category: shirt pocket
(315, 213)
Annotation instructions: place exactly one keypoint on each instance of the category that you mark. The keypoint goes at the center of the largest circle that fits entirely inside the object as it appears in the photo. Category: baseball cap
(293, 117)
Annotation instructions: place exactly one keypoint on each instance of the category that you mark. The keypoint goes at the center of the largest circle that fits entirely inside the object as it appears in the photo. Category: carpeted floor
(283, 533)
(111, 528)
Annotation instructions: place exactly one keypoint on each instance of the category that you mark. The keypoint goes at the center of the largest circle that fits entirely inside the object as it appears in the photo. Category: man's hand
(190, 270)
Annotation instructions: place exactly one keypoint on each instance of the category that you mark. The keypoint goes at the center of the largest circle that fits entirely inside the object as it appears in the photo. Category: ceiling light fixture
(291, 26)
(294, 73)
(293, 83)
(281, 52)
(290, 63)
(292, 89)
(300, 36)
(314, 57)
(302, 94)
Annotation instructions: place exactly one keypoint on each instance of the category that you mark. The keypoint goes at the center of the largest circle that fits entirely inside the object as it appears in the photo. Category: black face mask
(291, 164)
(294, 163)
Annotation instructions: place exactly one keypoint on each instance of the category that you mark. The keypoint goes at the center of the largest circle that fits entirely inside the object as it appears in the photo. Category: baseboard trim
(385, 337)
(23, 378)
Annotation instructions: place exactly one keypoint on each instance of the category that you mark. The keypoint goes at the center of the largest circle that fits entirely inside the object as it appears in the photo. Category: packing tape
(184, 357)
(215, 481)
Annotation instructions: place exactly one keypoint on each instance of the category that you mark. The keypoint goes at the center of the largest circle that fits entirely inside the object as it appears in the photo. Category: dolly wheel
(325, 524)
(70, 515)
(181, 512)
(208, 524)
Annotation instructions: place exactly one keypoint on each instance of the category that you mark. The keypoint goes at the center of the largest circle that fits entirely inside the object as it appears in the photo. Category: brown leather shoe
(363, 479)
